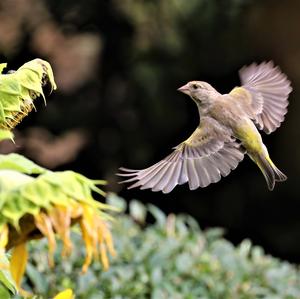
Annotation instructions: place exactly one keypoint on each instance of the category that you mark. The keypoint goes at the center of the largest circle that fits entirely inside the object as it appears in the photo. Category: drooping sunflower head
(19, 89)
(49, 204)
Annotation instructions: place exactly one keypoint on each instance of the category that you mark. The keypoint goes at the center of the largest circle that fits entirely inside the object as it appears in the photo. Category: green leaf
(6, 278)
(20, 163)
(4, 293)
(2, 67)
(137, 211)
(39, 192)
(245, 248)
(5, 134)
(39, 281)
(10, 86)
(158, 215)
(41, 67)
(116, 201)
(15, 207)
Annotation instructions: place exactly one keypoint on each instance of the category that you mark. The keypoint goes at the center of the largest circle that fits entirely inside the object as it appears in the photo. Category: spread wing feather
(207, 155)
(264, 93)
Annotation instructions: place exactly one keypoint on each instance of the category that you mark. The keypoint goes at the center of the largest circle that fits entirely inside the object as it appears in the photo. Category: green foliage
(166, 27)
(172, 258)
(7, 284)
(20, 163)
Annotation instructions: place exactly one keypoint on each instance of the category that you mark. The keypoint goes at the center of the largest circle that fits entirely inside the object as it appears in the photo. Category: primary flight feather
(228, 129)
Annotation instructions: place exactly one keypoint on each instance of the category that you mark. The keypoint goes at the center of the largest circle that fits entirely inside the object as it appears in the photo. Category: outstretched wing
(264, 93)
(209, 153)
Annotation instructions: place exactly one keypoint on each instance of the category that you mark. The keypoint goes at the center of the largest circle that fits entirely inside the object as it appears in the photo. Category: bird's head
(201, 92)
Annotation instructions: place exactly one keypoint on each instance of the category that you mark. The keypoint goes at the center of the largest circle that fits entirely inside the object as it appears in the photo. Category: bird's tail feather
(271, 173)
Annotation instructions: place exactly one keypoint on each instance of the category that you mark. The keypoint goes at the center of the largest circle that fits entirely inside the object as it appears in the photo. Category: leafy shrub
(171, 258)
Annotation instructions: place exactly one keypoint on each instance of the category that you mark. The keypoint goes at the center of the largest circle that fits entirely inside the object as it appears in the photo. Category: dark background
(118, 64)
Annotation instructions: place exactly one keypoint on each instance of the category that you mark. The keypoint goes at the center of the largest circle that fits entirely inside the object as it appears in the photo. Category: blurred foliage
(171, 258)
(159, 24)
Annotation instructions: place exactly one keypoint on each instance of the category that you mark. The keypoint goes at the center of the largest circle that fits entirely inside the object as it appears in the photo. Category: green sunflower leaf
(20, 163)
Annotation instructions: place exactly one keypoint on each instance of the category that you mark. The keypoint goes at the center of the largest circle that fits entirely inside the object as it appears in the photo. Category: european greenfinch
(228, 130)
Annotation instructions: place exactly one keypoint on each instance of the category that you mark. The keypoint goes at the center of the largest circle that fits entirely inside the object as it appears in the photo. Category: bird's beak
(185, 89)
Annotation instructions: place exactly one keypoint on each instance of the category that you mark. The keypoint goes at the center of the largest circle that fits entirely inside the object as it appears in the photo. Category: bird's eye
(195, 86)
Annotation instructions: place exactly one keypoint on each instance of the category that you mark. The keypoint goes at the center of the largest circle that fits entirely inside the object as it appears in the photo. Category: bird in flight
(228, 130)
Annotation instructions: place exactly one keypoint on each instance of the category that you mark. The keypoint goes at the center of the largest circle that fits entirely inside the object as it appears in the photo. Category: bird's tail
(271, 173)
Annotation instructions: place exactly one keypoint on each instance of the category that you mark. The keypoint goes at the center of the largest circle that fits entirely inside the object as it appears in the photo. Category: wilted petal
(43, 223)
(18, 263)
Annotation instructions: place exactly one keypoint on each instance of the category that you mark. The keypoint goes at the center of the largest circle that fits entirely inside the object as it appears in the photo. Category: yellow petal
(96, 236)
(43, 223)
(61, 220)
(89, 220)
(3, 236)
(106, 235)
(103, 256)
(3, 243)
(76, 210)
(88, 245)
(18, 263)
(66, 294)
